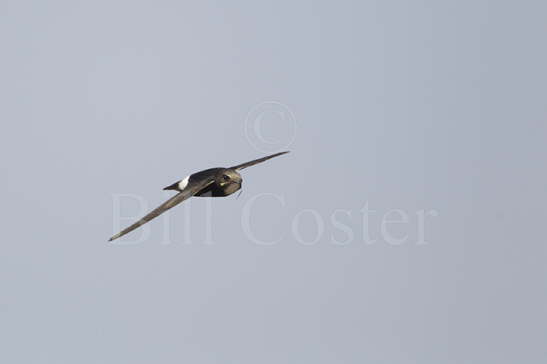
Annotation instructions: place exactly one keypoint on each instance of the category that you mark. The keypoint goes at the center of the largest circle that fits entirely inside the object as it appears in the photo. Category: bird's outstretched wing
(190, 190)
(256, 161)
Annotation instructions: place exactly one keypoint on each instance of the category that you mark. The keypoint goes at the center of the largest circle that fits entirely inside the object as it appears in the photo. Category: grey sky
(432, 105)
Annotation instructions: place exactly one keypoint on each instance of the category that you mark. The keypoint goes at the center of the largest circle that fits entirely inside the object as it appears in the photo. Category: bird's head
(229, 180)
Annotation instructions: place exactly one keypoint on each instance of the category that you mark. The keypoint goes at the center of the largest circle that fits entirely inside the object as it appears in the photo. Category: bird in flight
(213, 182)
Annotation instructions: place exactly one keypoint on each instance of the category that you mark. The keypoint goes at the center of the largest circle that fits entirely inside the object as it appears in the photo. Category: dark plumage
(213, 182)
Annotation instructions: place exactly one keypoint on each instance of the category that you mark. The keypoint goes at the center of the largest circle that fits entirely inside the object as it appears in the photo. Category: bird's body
(213, 182)
(218, 189)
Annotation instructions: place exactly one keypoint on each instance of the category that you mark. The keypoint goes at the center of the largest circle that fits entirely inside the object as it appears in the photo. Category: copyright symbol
(270, 126)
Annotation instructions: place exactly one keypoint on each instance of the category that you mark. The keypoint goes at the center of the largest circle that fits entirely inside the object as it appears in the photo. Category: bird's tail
(174, 186)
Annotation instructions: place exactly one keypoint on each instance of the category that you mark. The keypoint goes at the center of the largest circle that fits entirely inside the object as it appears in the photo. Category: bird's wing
(256, 161)
(188, 192)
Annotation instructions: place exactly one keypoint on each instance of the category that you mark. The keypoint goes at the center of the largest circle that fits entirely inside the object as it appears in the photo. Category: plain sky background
(410, 105)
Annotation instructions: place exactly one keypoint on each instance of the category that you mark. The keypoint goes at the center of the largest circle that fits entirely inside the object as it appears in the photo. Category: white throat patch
(183, 183)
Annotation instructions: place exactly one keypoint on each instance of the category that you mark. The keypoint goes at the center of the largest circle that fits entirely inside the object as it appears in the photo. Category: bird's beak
(240, 189)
